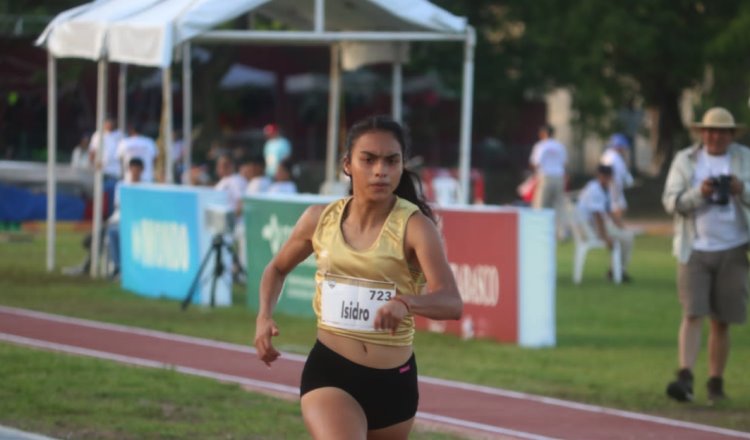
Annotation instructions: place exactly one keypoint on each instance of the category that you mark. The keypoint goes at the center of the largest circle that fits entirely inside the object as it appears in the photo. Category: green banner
(268, 223)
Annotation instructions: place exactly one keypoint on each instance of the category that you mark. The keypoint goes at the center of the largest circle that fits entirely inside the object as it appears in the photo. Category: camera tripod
(217, 244)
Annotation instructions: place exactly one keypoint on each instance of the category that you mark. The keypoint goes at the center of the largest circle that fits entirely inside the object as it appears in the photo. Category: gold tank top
(380, 268)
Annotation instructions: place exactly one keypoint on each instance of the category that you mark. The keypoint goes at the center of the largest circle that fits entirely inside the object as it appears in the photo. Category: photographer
(708, 192)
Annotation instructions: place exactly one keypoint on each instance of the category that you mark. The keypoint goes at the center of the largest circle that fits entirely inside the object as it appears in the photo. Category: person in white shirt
(708, 193)
(615, 156)
(253, 170)
(135, 170)
(231, 182)
(548, 160)
(111, 166)
(80, 157)
(110, 163)
(142, 147)
(595, 207)
(283, 183)
(445, 188)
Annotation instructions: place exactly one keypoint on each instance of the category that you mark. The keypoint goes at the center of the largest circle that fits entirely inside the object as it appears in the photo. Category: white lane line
(481, 426)
(435, 381)
(583, 407)
(8, 433)
(258, 384)
(141, 331)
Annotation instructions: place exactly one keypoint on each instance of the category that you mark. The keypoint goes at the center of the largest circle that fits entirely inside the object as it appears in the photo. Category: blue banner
(164, 239)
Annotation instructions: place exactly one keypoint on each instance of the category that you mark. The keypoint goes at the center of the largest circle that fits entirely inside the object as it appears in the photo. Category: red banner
(482, 248)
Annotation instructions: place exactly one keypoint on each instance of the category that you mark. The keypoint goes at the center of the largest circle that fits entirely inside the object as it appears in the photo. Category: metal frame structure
(318, 36)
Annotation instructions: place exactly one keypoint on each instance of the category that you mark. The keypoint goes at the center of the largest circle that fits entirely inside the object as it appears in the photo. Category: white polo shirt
(549, 157)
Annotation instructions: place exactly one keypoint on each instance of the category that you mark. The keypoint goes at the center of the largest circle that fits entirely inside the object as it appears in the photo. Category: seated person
(595, 207)
(283, 183)
(135, 172)
(230, 181)
(110, 230)
(253, 169)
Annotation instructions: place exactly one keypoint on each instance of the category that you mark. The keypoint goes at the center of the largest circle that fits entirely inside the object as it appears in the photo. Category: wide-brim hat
(717, 117)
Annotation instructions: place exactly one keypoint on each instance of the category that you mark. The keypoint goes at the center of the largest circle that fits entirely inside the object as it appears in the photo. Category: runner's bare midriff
(366, 353)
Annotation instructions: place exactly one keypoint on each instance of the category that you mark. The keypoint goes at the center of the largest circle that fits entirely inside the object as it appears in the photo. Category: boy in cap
(595, 207)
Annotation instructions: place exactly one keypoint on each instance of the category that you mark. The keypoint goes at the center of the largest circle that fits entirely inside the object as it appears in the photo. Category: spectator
(230, 181)
(142, 147)
(445, 188)
(548, 160)
(595, 207)
(178, 154)
(708, 192)
(283, 183)
(80, 156)
(110, 163)
(616, 156)
(136, 170)
(112, 137)
(254, 171)
(276, 149)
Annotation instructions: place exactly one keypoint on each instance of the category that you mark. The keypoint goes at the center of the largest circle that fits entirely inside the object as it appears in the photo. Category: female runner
(380, 262)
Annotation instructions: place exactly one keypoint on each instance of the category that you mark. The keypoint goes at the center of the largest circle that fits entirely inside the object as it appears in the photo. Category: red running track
(478, 411)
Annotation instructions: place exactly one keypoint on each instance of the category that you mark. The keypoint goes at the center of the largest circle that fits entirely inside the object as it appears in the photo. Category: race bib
(351, 303)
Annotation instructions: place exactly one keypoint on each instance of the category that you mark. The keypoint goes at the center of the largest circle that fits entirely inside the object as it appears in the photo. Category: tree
(609, 53)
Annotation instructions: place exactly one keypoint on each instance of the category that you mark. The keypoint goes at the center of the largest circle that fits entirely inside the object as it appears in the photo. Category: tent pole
(320, 11)
(122, 99)
(167, 103)
(334, 99)
(396, 87)
(51, 159)
(101, 108)
(466, 115)
(187, 110)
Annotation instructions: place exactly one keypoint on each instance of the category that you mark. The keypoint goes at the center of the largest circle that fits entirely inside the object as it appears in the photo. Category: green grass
(616, 344)
(73, 397)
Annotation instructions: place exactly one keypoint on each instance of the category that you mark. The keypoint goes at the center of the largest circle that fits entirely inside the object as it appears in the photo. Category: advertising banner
(503, 260)
(269, 221)
(164, 238)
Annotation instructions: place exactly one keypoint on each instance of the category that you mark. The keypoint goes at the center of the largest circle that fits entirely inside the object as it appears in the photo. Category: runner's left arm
(442, 299)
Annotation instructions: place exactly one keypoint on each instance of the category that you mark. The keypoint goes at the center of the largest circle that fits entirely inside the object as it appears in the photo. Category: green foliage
(610, 54)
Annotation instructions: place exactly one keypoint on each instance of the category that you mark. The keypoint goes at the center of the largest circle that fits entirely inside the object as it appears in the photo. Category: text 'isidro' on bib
(352, 303)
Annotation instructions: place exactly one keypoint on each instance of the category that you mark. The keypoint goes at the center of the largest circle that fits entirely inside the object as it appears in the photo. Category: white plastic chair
(585, 239)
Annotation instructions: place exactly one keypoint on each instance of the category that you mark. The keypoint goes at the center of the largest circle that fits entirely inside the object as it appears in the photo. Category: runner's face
(376, 163)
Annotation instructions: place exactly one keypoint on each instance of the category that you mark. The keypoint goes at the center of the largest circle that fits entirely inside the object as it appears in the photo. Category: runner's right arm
(293, 252)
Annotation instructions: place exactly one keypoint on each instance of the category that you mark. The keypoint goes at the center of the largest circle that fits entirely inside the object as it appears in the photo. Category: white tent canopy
(84, 35)
(150, 37)
(149, 32)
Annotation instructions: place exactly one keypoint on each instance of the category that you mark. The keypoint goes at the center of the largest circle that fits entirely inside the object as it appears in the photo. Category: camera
(219, 219)
(720, 194)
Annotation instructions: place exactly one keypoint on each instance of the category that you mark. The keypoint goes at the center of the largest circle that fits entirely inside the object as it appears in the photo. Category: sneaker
(681, 389)
(715, 387)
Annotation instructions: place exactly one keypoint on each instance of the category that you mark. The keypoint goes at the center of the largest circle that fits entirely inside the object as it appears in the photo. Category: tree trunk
(670, 133)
